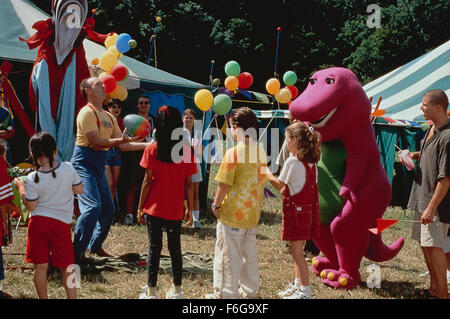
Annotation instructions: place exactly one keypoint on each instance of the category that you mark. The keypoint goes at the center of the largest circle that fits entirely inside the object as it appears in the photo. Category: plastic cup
(405, 158)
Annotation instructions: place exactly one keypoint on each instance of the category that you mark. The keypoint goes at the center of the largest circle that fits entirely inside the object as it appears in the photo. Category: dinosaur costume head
(333, 100)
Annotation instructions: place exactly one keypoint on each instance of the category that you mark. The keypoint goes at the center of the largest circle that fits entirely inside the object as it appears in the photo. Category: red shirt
(165, 198)
(120, 123)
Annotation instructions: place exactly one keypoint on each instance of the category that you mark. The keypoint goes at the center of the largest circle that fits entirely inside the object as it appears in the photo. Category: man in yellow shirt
(97, 131)
(237, 206)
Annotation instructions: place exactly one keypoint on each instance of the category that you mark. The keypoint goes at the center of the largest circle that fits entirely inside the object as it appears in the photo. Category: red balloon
(245, 80)
(294, 91)
(120, 72)
(110, 83)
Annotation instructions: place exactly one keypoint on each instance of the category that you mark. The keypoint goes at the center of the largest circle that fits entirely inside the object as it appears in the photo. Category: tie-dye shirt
(243, 169)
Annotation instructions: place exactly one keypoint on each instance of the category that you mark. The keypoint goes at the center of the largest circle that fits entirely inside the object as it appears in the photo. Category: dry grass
(400, 276)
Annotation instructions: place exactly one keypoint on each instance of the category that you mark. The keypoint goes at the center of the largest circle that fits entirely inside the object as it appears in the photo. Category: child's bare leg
(69, 284)
(301, 267)
(40, 280)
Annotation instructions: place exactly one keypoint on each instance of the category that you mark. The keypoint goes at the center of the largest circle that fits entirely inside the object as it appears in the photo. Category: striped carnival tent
(402, 89)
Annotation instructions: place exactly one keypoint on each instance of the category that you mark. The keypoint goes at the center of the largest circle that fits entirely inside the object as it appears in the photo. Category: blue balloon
(122, 42)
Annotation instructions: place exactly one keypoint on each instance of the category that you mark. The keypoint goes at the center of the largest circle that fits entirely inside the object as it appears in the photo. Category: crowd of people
(138, 180)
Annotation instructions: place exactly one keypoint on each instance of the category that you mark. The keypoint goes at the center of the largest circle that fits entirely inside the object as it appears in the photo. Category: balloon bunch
(288, 93)
(114, 73)
(235, 79)
(221, 104)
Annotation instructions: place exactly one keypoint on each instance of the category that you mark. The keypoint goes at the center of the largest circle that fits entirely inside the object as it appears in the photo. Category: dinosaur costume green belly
(331, 171)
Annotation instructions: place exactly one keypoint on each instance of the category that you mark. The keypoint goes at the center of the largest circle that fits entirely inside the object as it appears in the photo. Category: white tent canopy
(403, 88)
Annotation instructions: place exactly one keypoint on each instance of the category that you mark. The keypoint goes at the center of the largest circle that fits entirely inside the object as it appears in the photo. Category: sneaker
(102, 253)
(212, 296)
(197, 224)
(129, 219)
(299, 294)
(424, 274)
(172, 294)
(291, 289)
(448, 276)
(148, 294)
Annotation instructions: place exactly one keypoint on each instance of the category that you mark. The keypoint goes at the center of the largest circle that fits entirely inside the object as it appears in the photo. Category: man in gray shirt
(430, 198)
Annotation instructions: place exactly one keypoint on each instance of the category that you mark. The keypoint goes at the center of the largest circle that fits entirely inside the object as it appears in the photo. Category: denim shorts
(113, 157)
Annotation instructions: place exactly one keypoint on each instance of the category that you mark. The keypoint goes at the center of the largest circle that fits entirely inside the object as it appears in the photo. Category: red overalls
(301, 214)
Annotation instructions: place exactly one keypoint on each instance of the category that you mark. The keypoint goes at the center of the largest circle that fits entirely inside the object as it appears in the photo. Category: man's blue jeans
(96, 203)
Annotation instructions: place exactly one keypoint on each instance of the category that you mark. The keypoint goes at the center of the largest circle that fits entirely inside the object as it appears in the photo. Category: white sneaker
(197, 224)
(448, 276)
(212, 296)
(291, 288)
(147, 294)
(299, 294)
(128, 219)
(172, 294)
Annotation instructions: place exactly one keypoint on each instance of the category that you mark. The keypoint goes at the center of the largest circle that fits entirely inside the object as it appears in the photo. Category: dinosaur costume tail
(380, 252)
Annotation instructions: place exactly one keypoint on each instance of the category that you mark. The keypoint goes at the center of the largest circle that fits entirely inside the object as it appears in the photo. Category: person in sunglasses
(132, 173)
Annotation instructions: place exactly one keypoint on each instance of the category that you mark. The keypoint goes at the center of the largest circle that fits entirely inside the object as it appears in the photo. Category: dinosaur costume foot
(320, 263)
(338, 279)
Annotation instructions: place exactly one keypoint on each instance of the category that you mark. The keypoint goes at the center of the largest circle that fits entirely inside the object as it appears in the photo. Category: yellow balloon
(113, 50)
(273, 86)
(283, 95)
(203, 99)
(111, 40)
(231, 83)
(120, 93)
(103, 74)
(108, 60)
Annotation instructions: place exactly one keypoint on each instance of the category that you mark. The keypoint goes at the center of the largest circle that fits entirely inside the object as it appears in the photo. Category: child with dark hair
(161, 201)
(237, 207)
(6, 206)
(48, 195)
(298, 185)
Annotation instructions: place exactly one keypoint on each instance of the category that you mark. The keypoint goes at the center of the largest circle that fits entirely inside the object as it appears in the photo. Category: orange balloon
(231, 83)
(273, 86)
(120, 93)
(283, 96)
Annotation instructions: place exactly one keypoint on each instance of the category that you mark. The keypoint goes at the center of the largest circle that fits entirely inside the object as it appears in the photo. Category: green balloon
(222, 104)
(132, 43)
(290, 78)
(232, 68)
(216, 82)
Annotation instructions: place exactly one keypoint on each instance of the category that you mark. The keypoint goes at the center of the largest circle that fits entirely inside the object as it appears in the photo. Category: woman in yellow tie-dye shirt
(237, 206)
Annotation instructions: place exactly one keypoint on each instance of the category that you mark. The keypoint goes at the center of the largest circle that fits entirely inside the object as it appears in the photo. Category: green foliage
(314, 34)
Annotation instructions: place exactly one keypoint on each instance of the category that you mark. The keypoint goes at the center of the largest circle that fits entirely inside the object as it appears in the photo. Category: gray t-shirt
(433, 164)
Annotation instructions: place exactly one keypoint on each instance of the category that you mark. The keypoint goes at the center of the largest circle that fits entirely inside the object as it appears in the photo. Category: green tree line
(314, 34)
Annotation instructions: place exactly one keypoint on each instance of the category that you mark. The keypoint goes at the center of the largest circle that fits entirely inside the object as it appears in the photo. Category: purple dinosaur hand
(348, 193)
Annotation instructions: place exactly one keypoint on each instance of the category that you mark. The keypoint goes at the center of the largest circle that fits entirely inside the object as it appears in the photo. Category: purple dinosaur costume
(335, 104)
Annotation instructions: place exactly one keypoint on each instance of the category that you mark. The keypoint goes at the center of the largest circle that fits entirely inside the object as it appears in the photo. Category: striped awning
(402, 89)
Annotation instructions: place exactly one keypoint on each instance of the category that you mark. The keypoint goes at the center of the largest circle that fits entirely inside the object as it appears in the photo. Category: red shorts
(297, 222)
(49, 236)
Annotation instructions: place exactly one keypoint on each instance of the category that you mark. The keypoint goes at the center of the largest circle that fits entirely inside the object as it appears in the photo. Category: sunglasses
(144, 103)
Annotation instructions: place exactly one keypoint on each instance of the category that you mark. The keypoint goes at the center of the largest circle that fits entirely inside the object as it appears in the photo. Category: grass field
(400, 276)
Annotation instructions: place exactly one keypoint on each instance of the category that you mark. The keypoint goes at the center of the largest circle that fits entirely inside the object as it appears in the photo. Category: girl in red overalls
(298, 185)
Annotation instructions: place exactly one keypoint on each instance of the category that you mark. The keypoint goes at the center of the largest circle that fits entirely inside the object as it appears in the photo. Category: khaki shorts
(431, 235)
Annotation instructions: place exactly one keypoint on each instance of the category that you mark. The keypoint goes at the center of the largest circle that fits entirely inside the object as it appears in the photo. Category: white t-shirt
(293, 174)
(54, 195)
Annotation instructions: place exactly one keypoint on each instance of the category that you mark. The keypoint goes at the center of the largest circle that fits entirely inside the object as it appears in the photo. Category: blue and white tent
(403, 88)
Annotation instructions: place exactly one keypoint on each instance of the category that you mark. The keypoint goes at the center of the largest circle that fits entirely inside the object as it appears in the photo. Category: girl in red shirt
(298, 185)
(161, 203)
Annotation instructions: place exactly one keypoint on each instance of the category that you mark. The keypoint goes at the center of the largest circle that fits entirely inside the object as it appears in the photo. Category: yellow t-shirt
(87, 122)
(243, 169)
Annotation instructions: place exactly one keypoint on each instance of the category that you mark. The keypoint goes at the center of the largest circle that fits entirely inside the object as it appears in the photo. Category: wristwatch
(214, 206)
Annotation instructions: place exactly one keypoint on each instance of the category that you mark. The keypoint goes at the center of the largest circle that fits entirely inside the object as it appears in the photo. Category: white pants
(236, 262)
